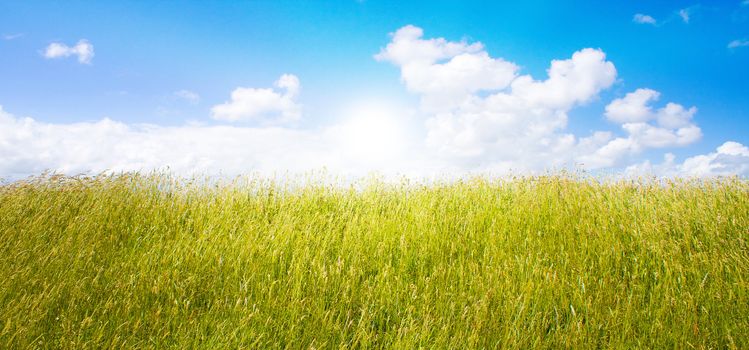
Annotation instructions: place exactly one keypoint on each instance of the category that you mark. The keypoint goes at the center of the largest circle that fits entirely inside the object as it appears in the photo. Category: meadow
(557, 261)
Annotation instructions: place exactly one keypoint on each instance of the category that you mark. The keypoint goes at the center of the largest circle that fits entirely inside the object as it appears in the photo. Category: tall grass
(152, 261)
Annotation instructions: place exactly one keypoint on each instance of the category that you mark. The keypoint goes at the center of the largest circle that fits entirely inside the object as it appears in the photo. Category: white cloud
(484, 115)
(478, 113)
(572, 81)
(29, 147)
(444, 73)
(731, 158)
(290, 83)
(644, 19)
(83, 49)
(407, 46)
(684, 14)
(738, 43)
(675, 116)
(633, 107)
(262, 104)
(187, 95)
(673, 128)
(648, 136)
(728, 159)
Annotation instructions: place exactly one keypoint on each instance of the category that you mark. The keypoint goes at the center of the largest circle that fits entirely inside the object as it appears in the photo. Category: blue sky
(170, 64)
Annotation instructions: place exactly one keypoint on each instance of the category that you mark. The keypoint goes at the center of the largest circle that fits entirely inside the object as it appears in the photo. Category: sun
(374, 132)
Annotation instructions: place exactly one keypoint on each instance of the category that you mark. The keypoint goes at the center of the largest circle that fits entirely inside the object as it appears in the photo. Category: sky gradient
(417, 88)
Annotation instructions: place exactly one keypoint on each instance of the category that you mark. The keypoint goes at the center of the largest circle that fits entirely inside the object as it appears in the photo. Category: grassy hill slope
(541, 262)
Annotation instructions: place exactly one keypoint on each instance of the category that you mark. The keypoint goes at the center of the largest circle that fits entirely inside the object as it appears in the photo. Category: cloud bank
(30, 147)
(477, 113)
(731, 158)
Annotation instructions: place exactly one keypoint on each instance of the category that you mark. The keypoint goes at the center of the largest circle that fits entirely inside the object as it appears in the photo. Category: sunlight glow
(374, 132)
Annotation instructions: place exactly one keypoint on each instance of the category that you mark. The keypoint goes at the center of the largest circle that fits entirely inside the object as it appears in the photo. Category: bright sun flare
(373, 132)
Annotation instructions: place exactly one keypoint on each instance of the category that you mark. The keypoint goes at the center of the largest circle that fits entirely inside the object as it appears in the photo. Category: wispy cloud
(187, 95)
(738, 43)
(12, 36)
(84, 50)
(644, 19)
(684, 14)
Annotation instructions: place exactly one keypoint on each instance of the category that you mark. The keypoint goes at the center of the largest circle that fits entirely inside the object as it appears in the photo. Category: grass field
(142, 261)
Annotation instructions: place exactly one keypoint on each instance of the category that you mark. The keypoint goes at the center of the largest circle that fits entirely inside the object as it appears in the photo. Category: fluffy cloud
(521, 127)
(83, 49)
(731, 158)
(728, 159)
(444, 73)
(673, 127)
(407, 46)
(635, 108)
(505, 121)
(486, 116)
(266, 105)
(572, 81)
(643, 19)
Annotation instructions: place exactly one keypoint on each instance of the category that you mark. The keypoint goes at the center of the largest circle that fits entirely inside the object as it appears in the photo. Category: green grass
(150, 261)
